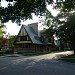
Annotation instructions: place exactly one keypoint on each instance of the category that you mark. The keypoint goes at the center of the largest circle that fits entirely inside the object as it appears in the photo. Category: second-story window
(23, 38)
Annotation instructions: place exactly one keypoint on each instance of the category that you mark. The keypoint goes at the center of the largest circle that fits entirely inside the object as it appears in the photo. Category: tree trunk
(74, 51)
(73, 40)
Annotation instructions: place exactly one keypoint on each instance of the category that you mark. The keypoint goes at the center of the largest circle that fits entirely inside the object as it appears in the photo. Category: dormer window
(42, 39)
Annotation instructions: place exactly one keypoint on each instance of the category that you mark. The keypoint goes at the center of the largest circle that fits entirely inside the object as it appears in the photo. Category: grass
(39, 53)
(1, 54)
(12, 56)
(4, 52)
(70, 58)
(35, 53)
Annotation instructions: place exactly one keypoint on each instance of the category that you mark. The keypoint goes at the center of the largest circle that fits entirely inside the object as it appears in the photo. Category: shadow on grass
(70, 58)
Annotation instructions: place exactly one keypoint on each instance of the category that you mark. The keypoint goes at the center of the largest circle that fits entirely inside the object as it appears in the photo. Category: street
(36, 65)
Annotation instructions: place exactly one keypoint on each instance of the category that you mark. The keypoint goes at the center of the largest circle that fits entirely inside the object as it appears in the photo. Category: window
(27, 45)
(23, 38)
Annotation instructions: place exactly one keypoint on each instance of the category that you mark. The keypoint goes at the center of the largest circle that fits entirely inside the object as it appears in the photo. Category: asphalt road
(36, 65)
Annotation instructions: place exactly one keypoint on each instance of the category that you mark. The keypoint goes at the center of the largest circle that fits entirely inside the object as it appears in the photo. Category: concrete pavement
(36, 65)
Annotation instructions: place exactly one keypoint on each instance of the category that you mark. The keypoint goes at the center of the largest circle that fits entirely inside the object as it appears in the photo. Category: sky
(13, 28)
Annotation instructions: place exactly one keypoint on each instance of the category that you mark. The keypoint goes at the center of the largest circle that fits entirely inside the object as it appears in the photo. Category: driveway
(36, 65)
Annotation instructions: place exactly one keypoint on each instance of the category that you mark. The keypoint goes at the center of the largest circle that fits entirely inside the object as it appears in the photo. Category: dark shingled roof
(34, 36)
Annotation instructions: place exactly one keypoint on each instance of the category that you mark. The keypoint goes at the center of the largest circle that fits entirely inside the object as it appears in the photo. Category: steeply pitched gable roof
(34, 36)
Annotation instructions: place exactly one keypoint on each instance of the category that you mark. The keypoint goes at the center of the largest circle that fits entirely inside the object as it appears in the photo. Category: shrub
(2, 52)
(6, 52)
(9, 51)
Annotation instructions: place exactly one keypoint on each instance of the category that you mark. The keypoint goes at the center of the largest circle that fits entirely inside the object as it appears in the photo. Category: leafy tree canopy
(67, 31)
(22, 9)
(66, 28)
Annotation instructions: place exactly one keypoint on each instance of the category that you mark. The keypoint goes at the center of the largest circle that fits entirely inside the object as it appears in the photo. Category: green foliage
(64, 29)
(6, 51)
(2, 52)
(22, 10)
(48, 32)
(11, 41)
(67, 31)
(49, 21)
(1, 30)
(67, 5)
(70, 58)
(2, 26)
(9, 51)
(35, 53)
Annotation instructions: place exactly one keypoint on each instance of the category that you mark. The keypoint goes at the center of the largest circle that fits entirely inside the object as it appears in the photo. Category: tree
(48, 34)
(11, 40)
(67, 31)
(52, 26)
(22, 9)
(59, 27)
(1, 33)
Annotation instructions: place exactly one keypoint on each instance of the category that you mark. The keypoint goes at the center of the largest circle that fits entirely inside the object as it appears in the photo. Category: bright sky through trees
(13, 28)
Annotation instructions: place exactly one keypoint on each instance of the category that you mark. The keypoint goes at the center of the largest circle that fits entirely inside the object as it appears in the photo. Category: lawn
(12, 56)
(35, 53)
(1, 54)
(39, 53)
(70, 58)
(6, 52)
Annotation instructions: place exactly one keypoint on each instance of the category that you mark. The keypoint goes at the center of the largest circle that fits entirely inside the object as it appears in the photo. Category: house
(28, 40)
